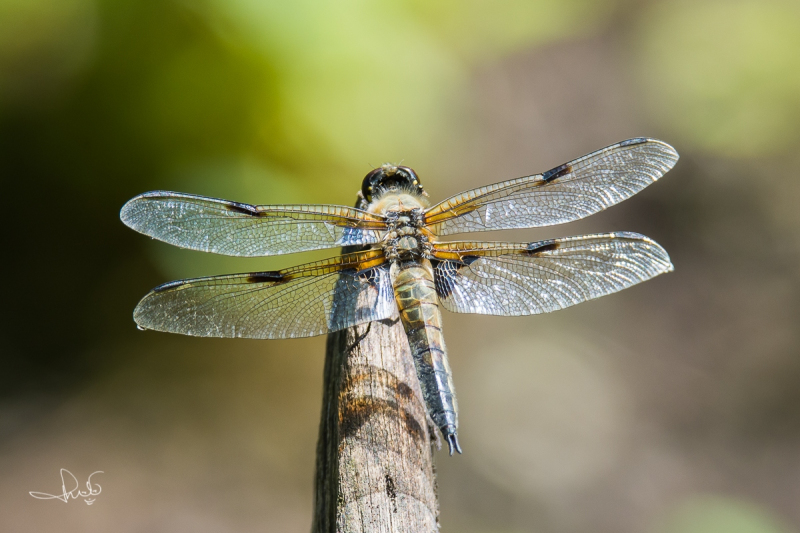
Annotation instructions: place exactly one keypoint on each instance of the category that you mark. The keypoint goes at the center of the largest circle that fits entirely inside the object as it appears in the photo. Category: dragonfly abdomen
(419, 311)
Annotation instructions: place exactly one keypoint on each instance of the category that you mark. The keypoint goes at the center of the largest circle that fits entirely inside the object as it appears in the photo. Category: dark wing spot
(243, 209)
(555, 173)
(636, 140)
(535, 248)
(444, 272)
(371, 275)
(263, 277)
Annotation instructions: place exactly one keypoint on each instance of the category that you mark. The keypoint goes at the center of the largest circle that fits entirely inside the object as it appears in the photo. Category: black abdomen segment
(419, 311)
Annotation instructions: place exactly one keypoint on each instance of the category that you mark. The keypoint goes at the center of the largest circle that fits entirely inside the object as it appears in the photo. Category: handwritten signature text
(68, 479)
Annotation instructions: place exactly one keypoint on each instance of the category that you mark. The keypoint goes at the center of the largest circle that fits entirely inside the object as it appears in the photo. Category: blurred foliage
(725, 74)
(478, 30)
(716, 514)
(42, 44)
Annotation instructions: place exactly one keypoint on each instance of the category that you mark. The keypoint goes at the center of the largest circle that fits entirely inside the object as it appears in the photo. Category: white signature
(75, 492)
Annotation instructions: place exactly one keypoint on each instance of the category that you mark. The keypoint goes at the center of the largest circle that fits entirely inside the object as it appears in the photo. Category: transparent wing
(566, 193)
(494, 278)
(303, 301)
(231, 228)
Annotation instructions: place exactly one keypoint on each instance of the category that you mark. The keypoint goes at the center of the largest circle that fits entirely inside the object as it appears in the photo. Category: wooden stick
(375, 468)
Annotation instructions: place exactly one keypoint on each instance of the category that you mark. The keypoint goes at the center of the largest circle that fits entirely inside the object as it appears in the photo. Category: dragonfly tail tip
(452, 443)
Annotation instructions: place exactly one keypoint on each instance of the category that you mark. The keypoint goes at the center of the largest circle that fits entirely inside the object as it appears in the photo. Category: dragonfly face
(390, 179)
(403, 269)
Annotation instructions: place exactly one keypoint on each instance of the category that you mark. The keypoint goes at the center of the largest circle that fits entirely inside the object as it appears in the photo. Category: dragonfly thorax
(405, 239)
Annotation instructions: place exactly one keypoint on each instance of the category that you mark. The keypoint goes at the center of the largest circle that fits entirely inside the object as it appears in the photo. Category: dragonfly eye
(368, 185)
(411, 175)
(390, 178)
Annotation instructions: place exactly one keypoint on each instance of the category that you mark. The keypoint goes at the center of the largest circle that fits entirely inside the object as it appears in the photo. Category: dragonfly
(399, 266)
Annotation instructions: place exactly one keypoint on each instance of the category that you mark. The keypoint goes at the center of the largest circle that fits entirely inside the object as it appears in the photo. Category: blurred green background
(672, 407)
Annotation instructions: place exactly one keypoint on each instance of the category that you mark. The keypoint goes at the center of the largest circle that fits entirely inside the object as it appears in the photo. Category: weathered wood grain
(375, 469)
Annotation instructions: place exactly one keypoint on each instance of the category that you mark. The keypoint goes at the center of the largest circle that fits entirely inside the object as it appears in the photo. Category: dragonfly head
(390, 178)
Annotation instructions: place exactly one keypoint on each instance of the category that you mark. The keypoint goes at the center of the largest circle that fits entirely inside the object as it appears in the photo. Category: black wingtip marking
(542, 246)
(243, 209)
(555, 173)
(262, 277)
(635, 140)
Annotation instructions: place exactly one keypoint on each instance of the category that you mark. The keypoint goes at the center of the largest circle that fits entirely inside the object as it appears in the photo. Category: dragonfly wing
(524, 279)
(232, 228)
(566, 193)
(304, 301)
